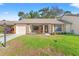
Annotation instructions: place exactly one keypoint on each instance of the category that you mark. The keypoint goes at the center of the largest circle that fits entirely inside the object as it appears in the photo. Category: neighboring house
(74, 19)
(28, 26)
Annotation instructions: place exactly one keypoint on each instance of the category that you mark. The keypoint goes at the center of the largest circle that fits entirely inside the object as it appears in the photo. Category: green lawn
(59, 44)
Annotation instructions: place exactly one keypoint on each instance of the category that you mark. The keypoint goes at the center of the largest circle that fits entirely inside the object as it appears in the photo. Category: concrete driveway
(8, 37)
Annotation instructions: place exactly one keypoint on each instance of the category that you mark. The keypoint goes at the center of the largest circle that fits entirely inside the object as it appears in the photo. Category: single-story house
(28, 26)
(40, 26)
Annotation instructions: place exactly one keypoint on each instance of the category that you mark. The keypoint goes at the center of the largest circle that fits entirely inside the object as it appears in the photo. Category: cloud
(75, 5)
(5, 12)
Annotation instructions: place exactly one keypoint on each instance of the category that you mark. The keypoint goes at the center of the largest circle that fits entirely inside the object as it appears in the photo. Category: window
(58, 28)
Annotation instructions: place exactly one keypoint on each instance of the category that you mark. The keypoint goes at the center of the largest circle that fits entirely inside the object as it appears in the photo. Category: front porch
(46, 28)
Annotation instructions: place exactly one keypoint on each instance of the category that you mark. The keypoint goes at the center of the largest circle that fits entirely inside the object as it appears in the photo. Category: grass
(43, 45)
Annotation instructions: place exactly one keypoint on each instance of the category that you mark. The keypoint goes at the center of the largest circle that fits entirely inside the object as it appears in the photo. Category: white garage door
(21, 29)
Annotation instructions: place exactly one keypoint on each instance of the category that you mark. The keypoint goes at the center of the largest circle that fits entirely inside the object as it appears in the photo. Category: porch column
(50, 28)
(43, 28)
(63, 28)
(53, 28)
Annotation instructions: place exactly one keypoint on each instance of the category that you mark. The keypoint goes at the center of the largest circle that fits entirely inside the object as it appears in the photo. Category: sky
(9, 11)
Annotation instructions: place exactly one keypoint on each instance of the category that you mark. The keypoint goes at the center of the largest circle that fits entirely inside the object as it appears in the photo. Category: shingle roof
(65, 21)
(7, 22)
(28, 21)
(51, 21)
(72, 15)
(72, 19)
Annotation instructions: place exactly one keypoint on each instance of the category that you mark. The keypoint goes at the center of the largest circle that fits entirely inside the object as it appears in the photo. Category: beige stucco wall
(68, 28)
(28, 29)
(20, 28)
(76, 28)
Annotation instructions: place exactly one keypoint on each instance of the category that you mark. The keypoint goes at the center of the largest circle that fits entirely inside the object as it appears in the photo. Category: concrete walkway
(9, 37)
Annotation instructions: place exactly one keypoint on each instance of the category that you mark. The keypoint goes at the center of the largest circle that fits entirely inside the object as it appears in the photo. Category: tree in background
(53, 12)
(21, 15)
(67, 13)
(33, 14)
(44, 12)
